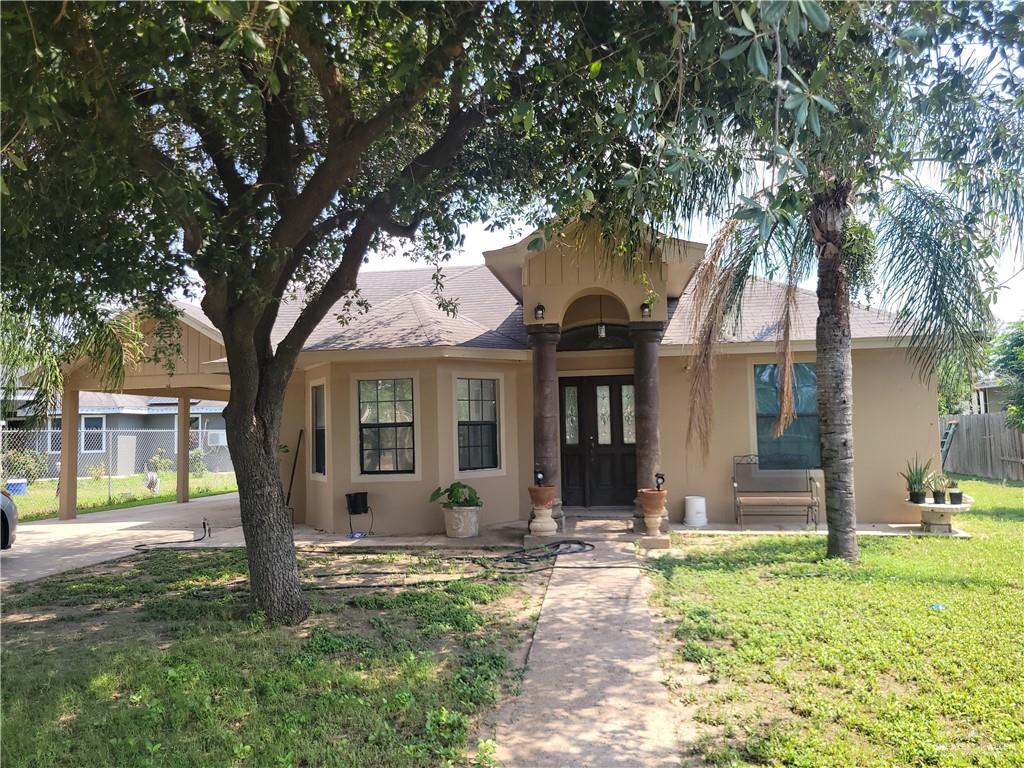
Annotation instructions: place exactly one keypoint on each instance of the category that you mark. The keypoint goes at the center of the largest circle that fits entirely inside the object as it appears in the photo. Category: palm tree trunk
(827, 218)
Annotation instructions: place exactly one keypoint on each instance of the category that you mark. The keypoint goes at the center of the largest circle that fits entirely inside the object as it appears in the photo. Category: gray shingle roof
(403, 313)
(488, 315)
(759, 317)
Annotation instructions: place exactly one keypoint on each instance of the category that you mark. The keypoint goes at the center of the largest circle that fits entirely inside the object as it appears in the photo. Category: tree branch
(348, 142)
(213, 142)
(316, 235)
(375, 217)
(332, 85)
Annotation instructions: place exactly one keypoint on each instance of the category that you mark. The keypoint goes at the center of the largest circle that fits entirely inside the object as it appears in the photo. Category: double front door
(598, 438)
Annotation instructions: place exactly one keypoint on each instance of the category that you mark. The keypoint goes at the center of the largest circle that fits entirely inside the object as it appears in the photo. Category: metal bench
(773, 492)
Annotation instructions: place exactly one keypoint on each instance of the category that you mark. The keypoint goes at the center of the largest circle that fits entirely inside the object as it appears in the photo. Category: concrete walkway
(46, 547)
(593, 696)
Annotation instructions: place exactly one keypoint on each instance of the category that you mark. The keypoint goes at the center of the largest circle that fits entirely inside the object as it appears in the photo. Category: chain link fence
(116, 467)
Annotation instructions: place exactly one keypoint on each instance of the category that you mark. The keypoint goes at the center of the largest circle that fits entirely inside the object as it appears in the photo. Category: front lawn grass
(914, 657)
(96, 495)
(153, 661)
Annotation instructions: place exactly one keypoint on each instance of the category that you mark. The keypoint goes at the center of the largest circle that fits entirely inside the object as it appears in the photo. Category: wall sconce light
(538, 312)
(645, 311)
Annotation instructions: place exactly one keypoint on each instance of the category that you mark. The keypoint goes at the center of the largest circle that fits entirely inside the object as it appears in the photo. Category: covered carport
(184, 378)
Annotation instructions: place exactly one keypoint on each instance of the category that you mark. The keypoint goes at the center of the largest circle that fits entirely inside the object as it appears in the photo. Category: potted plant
(956, 496)
(461, 510)
(917, 476)
(939, 484)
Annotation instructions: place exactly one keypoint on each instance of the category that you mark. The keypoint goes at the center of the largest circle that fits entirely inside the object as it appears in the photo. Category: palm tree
(845, 199)
(934, 271)
(36, 351)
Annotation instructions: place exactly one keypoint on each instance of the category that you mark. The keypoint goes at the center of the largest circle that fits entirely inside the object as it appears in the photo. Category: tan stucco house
(553, 363)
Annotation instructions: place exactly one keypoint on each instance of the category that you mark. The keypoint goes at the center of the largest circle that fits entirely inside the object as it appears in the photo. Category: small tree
(1006, 359)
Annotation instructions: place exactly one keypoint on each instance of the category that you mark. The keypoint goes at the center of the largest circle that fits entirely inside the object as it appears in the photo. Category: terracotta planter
(542, 497)
(652, 507)
(462, 522)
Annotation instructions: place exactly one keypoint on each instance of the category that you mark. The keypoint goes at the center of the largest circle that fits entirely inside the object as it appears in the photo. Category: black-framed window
(386, 437)
(318, 413)
(799, 446)
(476, 404)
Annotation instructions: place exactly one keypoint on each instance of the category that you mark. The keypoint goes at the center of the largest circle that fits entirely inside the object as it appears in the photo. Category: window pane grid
(476, 408)
(319, 431)
(799, 446)
(386, 431)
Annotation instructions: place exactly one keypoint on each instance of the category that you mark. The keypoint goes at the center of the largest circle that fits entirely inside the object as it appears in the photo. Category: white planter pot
(696, 511)
(462, 522)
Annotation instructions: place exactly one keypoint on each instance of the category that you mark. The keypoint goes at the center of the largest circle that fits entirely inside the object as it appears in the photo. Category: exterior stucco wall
(400, 502)
(895, 417)
(293, 419)
(570, 268)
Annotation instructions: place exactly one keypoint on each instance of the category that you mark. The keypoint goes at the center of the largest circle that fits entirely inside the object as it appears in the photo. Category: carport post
(184, 431)
(67, 504)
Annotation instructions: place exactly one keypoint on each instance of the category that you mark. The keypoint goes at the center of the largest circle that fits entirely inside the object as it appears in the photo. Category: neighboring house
(122, 432)
(553, 363)
(990, 395)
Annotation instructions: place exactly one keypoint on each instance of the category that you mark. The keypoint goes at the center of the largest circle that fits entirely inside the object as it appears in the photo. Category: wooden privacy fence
(984, 445)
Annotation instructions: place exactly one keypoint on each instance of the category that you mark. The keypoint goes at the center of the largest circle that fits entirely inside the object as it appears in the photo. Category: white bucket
(696, 511)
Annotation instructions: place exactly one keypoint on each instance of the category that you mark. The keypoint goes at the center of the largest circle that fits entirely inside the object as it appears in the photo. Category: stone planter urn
(652, 507)
(462, 522)
(542, 497)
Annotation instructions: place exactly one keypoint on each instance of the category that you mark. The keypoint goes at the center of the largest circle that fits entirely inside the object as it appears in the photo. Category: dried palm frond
(800, 254)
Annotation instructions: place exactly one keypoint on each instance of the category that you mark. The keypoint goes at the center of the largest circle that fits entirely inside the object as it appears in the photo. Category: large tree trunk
(827, 218)
(253, 421)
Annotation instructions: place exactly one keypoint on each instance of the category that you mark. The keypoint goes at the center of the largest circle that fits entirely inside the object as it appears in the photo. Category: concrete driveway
(46, 547)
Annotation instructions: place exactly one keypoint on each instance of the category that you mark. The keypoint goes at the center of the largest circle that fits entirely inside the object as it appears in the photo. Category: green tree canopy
(1006, 358)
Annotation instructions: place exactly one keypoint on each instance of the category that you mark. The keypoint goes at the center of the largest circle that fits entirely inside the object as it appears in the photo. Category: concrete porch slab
(868, 529)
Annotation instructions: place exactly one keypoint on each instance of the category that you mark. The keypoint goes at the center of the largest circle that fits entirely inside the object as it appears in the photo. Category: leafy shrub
(27, 464)
(197, 462)
(159, 462)
(98, 471)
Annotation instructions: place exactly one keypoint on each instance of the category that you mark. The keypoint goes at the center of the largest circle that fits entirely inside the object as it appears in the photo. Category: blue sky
(1009, 304)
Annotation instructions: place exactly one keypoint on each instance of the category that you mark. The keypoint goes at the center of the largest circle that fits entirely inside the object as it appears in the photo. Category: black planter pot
(956, 497)
(917, 497)
(939, 497)
(357, 503)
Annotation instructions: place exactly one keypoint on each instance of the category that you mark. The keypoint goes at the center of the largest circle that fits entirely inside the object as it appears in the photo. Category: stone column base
(542, 523)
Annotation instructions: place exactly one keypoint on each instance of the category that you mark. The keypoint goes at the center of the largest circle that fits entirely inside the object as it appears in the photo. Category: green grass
(153, 661)
(915, 657)
(40, 502)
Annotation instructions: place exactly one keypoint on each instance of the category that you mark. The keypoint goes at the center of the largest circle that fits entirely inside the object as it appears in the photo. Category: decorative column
(646, 336)
(184, 433)
(544, 342)
(67, 504)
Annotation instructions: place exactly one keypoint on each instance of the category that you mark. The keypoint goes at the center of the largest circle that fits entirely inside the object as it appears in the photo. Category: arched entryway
(597, 426)
(593, 321)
